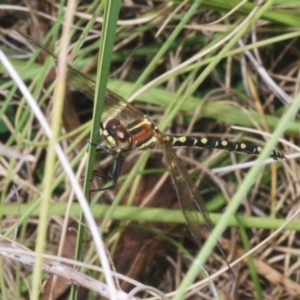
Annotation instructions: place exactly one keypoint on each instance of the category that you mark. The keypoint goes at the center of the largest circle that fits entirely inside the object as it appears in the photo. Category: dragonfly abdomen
(209, 143)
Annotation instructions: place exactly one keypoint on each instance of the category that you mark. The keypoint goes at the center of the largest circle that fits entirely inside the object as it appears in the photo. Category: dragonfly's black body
(130, 129)
(204, 142)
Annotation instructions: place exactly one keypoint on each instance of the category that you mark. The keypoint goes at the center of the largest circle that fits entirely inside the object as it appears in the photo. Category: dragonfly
(130, 130)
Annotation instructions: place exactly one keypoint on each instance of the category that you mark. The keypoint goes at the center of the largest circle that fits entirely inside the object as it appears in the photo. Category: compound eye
(122, 137)
(112, 124)
(121, 134)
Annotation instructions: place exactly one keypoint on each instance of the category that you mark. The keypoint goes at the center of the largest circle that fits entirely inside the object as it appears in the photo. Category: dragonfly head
(116, 135)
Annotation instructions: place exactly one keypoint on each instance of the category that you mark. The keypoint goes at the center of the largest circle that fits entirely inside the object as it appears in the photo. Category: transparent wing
(114, 104)
(189, 197)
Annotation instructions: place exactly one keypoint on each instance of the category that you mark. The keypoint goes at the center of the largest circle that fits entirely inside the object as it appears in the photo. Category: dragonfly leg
(99, 173)
(116, 169)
